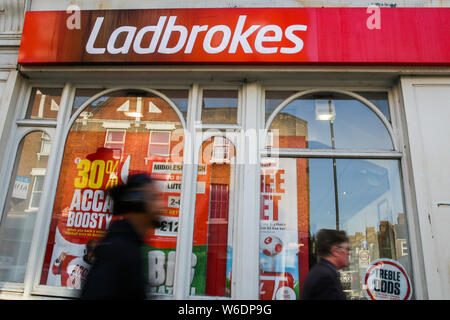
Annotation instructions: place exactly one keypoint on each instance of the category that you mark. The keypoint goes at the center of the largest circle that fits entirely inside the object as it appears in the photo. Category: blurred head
(333, 246)
(89, 251)
(139, 195)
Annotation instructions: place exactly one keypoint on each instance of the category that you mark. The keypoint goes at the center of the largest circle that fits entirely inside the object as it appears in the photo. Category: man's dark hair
(127, 197)
(327, 238)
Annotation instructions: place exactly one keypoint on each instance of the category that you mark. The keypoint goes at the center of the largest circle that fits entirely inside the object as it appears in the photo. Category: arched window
(113, 135)
(328, 120)
(22, 204)
(337, 168)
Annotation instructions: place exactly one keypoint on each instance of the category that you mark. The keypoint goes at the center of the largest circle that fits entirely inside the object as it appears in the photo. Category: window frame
(33, 192)
(19, 133)
(199, 109)
(44, 144)
(224, 155)
(120, 144)
(159, 144)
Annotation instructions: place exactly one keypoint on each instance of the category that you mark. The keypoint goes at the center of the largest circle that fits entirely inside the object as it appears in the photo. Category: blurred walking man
(323, 280)
(118, 271)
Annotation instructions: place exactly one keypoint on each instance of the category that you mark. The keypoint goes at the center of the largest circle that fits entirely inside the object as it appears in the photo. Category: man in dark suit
(322, 281)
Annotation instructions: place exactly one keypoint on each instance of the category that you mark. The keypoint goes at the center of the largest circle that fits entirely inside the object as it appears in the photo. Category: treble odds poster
(82, 215)
(282, 233)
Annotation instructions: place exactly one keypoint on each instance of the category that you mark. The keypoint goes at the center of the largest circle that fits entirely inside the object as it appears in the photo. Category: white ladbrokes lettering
(188, 39)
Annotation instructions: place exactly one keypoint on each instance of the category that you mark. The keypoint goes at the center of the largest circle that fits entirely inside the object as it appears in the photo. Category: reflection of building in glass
(135, 123)
(24, 197)
(390, 241)
(359, 196)
(212, 215)
(289, 131)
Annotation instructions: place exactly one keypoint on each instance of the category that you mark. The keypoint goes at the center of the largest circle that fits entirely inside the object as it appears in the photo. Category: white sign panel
(20, 189)
(168, 227)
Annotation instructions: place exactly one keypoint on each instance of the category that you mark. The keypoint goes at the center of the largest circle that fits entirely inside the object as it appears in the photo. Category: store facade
(261, 125)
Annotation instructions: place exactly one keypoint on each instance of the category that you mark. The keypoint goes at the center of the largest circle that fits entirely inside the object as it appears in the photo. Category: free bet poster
(282, 224)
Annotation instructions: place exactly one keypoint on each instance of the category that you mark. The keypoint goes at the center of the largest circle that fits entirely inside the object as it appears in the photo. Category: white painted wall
(427, 109)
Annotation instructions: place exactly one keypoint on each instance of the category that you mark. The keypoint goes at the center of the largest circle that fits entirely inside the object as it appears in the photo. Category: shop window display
(301, 195)
(21, 206)
(109, 140)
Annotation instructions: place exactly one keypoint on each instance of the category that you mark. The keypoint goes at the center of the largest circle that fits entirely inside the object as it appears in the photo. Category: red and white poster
(281, 237)
(82, 214)
(161, 242)
(386, 279)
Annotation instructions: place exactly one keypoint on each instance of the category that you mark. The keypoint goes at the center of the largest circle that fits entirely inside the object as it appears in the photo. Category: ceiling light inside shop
(325, 110)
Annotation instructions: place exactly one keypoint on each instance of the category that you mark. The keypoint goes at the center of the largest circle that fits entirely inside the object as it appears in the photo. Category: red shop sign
(355, 36)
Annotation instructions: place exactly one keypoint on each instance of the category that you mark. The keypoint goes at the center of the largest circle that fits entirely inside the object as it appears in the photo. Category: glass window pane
(180, 97)
(380, 100)
(322, 199)
(82, 210)
(20, 210)
(39, 183)
(160, 137)
(83, 95)
(296, 127)
(45, 146)
(116, 136)
(357, 127)
(156, 149)
(35, 200)
(274, 99)
(373, 215)
(328, 121)
(220, 106)
(44, 103)
(212, 247)
(301, 196)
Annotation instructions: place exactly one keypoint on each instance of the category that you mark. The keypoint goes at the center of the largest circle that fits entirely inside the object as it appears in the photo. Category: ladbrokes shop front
(260, 125)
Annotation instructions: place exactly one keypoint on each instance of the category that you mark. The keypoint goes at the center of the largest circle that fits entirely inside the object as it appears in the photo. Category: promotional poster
(282, 241)
(82, 215)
